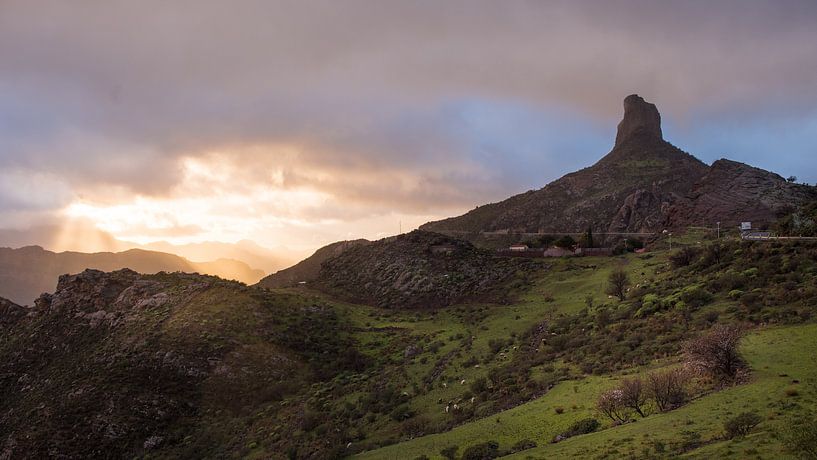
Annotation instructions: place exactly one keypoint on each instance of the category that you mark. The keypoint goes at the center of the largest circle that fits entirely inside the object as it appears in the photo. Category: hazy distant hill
(643, 184)
(27, 272)
(254, 255)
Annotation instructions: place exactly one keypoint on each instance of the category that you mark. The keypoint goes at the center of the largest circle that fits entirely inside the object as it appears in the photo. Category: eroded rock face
(732, 192)
(641, 119)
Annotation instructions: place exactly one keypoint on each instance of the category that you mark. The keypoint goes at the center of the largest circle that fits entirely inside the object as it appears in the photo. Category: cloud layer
(309, 121)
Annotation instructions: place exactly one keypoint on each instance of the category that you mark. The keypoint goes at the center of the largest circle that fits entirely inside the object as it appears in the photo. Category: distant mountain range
(27, 272)
(644, 184)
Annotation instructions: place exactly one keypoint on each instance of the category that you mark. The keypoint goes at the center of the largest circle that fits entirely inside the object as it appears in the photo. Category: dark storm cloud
(115, 92)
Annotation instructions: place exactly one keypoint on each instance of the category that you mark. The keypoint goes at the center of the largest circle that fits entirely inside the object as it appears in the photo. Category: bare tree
(716, 352)
(633, 394)
(618, 281)
(668, 388)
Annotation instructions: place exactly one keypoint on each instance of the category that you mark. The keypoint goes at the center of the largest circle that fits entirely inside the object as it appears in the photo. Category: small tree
(668, 388)
(587, 239)
(618, 281)
(611, 404)
(716, 352)
(633, 395)
(791, 179)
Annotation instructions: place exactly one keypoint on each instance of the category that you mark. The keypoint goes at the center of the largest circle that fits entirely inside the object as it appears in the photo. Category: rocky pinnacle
(641, 119)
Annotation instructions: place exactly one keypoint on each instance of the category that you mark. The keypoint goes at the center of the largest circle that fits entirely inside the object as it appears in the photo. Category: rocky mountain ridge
(168, 363)
(644, 184)
(416, 270)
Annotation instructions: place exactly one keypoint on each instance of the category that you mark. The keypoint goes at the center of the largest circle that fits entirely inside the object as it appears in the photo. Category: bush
(524, 444)
(801, 437)
(668, 388)
(741, 425)
(483, 451)
(565, 242)
(695, 296)
(450, 452)
(716, 352)
(684, 257)
(583, 426)
(401, 412)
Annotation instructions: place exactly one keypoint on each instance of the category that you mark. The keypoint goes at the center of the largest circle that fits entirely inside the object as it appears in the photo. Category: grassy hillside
(776, 355)
(215, 369)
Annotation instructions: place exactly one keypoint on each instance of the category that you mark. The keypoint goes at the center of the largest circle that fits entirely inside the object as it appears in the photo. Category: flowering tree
(611, 404)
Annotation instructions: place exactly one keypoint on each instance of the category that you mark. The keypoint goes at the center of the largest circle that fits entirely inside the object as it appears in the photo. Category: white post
(719, 230)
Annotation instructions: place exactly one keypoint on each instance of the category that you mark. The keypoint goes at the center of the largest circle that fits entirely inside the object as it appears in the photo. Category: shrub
(450, 452)
(668, 388)
(696, 296)
(483, 451)
(716, 352)
(683, 257)
(524, 444)
(560, 410)
(741, 425)
(565, 242)
(401, 412)
(584, 426)
(801, 437)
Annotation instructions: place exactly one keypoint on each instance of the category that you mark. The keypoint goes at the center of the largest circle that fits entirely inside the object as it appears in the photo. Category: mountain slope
(116, 365)
(644, 184)
(416, 270)
(27, 272)
(309, 268)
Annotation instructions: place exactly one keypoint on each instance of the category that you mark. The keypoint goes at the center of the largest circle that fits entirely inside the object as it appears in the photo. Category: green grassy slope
(777, 357)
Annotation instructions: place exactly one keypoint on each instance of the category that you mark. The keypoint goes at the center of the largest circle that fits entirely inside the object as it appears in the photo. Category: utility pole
(719, 230)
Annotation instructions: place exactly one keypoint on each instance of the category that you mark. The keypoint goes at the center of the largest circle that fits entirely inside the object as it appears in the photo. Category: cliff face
(732, 192)
(643, 184)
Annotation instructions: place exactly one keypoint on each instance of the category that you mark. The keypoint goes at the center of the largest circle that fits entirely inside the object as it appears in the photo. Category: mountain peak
(641, 118)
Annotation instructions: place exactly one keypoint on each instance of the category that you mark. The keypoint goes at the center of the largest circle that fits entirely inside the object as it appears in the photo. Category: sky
(298, 123)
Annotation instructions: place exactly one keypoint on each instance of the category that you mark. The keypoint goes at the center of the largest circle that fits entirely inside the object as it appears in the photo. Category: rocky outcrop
(407, 272)
(161, 363)
(732, 192)
(641, 120)
(644, 184)
(626, 190)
